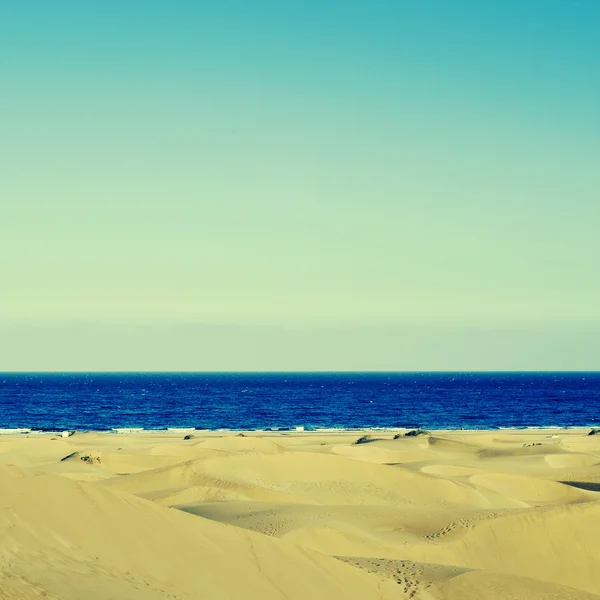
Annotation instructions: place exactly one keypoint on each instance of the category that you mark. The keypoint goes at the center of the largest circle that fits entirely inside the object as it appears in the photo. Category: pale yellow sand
(454, 515)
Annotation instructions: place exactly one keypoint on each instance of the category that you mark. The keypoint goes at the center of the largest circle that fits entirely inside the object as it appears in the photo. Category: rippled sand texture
(451, 515)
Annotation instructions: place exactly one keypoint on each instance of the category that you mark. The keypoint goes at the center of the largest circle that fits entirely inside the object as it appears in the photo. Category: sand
(450, 515)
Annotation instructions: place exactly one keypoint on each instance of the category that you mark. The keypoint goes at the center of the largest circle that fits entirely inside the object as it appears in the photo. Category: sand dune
(454, 515)
(451, 470)
(351, 530)
(243, 444)
(55, 542)
(569, 461)
(309, 478)
(560, 545)
(531, 490)
(32, 451)
(486, 585)
(395, 452)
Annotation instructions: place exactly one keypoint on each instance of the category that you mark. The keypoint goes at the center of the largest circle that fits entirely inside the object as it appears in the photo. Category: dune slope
(58, 535)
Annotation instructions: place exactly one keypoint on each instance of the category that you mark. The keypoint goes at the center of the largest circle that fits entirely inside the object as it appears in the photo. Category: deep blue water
(283, 400)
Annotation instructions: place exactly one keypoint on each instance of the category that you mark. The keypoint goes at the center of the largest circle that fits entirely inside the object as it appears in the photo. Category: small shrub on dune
(412, 433)
(363, 440)
(90, 459)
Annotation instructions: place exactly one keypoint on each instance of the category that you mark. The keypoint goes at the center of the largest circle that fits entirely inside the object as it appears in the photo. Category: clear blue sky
(300, 185)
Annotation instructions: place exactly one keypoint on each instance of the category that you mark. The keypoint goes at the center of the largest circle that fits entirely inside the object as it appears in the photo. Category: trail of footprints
(464, 523)
(406, 573)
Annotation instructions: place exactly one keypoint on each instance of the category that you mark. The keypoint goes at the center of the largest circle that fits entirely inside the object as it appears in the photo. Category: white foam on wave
(181, 429)
(14, 430)
(127, 429)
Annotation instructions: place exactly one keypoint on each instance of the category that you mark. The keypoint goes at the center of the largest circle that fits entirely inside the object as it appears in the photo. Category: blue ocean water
(102, 401)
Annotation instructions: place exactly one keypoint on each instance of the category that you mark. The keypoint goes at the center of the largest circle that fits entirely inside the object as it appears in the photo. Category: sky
(315, 185)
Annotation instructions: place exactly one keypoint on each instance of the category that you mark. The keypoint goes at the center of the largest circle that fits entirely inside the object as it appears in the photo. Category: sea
(285, 401)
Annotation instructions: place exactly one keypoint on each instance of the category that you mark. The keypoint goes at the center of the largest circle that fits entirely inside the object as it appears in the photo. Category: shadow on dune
(584, 485)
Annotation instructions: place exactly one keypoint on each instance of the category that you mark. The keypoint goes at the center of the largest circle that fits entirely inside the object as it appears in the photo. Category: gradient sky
(326, 184)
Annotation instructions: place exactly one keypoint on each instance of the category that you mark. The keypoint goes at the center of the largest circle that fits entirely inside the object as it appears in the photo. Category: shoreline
(175, 431)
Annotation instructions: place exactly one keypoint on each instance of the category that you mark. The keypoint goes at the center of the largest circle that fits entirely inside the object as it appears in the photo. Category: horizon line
(285, 372)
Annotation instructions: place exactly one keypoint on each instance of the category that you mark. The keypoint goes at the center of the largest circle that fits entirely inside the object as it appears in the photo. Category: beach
(441, 515)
